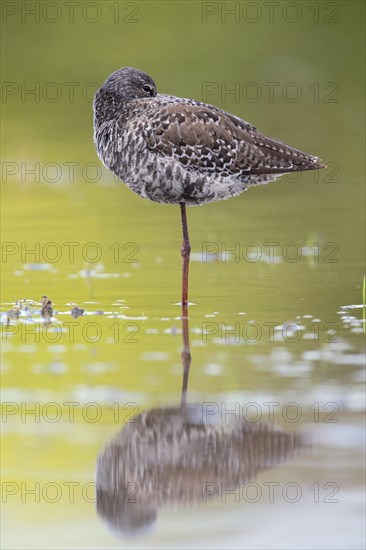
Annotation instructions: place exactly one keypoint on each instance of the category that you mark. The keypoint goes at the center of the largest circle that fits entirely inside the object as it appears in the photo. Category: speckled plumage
(173, 150)
(165, 457)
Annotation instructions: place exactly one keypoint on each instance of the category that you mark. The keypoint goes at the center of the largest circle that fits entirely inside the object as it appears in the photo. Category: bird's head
(127, 84)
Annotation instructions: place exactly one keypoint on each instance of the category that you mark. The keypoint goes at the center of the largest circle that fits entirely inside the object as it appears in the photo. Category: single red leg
(186, 354)
(186, 359)
(185, 251)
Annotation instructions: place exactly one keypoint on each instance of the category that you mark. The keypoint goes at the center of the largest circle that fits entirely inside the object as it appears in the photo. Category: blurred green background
(310, 54)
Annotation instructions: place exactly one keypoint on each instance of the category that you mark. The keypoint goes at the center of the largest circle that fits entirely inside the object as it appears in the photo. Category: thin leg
(186, 353)
(185, 252)
(186, 359)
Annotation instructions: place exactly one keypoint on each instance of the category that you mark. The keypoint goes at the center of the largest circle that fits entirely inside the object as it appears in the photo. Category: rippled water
(268, 451)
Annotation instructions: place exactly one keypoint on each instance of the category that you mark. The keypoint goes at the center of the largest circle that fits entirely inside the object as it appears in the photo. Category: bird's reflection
(185, 454)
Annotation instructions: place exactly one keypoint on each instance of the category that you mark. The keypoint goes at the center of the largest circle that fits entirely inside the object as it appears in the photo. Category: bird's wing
(204, 138)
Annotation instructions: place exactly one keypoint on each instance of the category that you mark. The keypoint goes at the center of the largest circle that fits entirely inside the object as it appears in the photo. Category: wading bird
(181, 151)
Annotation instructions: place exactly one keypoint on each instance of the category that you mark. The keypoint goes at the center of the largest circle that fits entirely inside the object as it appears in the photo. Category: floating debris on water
(77, 312)
(46, 308)
(12, 315)
(97, 272)
(40, 267)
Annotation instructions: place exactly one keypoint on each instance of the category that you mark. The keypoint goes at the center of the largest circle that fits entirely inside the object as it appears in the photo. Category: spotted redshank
(181, 151)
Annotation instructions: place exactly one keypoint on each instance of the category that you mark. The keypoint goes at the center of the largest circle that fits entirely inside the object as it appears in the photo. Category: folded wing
(206, 139)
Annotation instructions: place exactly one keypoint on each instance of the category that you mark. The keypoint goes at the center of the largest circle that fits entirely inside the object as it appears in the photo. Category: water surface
(276, 325)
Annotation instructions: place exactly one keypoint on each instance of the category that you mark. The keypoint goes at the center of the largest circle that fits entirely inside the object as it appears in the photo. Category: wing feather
(206, 139)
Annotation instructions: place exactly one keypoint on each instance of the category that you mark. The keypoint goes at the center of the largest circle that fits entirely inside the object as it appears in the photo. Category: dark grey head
(129, 83)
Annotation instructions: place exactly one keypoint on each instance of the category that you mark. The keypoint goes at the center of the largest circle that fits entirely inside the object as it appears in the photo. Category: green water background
(321, 53)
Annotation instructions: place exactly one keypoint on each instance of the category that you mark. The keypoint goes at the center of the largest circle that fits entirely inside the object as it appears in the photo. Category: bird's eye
(147, 88)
